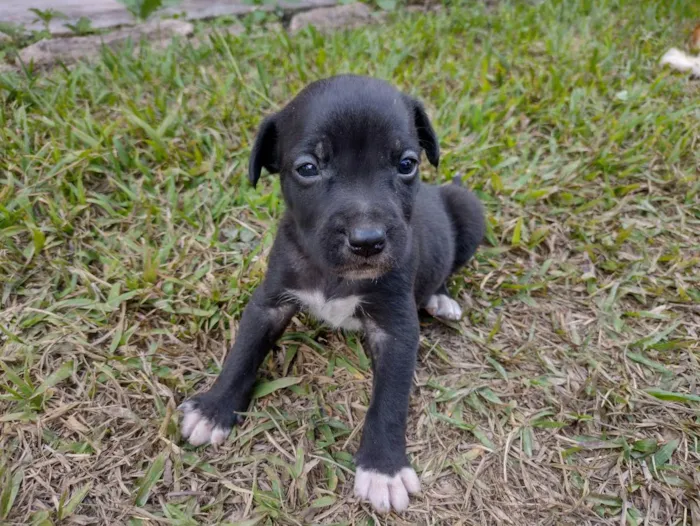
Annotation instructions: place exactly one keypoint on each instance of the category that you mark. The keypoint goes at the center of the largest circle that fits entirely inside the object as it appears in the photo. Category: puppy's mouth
(364, 273)
(372, 268)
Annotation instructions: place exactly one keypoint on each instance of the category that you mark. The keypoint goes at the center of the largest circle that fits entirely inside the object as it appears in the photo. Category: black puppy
(363, 245)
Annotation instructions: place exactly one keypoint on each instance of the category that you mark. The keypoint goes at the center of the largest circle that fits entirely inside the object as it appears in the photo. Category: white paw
(199, 430)
(385, 492)
(442, 306)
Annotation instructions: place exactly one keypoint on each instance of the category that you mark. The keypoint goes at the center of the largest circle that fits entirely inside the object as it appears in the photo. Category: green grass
(130, 241)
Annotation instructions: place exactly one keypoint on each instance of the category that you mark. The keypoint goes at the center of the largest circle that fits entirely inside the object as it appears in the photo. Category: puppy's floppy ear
(426, 135)
(264, 153)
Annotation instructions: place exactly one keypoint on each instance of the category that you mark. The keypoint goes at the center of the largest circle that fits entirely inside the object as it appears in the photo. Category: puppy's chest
(337, 312)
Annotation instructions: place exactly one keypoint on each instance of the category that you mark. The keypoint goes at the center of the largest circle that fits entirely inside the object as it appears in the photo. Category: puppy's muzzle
(367, 242)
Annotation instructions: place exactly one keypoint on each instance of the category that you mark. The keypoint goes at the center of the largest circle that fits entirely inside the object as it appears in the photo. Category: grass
(130, 242)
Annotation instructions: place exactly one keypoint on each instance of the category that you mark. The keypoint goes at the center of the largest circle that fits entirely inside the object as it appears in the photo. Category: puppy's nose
(367, 241)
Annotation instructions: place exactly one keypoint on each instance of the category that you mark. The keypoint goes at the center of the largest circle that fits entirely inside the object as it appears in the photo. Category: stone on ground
(332, 18)
(68, 50)
(112, 13)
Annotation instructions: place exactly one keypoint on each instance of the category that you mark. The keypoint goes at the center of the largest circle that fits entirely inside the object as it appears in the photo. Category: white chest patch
(338, 312)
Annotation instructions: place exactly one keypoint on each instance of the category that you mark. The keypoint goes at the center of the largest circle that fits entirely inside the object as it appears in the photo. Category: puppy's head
(348, 151)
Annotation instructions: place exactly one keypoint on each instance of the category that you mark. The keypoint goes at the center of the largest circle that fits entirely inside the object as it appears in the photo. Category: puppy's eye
(307, 170)
(407, 166)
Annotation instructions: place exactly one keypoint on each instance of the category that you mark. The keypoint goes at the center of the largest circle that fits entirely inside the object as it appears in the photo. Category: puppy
(363, 245)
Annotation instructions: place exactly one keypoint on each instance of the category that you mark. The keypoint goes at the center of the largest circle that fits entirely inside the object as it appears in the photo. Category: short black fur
(353, 132)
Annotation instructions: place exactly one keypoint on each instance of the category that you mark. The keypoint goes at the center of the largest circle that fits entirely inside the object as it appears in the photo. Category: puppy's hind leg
(468, 226)
(467, 218)
(441, 305)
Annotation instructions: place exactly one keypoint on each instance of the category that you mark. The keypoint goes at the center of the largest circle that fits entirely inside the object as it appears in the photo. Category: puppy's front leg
(209, 417)
(384, 476)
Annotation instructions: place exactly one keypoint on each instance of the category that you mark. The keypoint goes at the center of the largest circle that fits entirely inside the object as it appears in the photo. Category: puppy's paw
(442, 306)
(385, 492)
(205, 424)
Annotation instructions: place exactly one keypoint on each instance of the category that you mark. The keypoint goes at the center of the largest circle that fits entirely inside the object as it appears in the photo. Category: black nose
(367, 241)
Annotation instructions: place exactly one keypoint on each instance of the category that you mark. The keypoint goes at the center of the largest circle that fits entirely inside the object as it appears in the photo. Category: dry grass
(129, 243)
